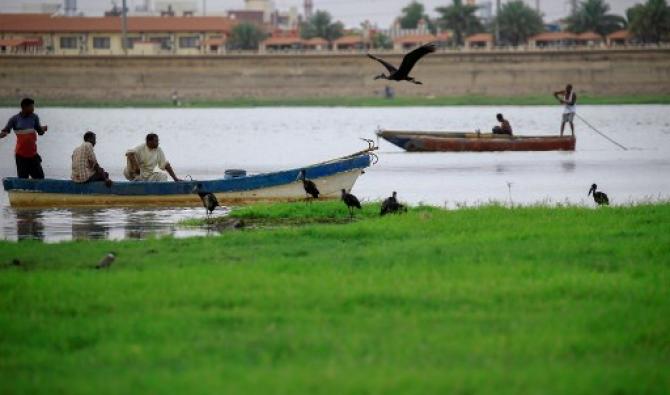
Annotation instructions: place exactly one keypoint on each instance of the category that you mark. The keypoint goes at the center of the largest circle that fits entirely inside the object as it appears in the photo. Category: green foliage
(517, 22)
(461, 19)
(321, 25)
(594, 16)
(412, 14)
(246, 36)
(381, 41)
(475, 301)
(650, 22)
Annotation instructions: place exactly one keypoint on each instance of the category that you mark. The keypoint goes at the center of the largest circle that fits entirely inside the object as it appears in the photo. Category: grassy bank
(348, 102)
(474, 301)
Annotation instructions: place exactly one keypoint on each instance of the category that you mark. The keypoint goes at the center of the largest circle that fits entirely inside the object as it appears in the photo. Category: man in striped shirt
(26, 125)
(85, 167)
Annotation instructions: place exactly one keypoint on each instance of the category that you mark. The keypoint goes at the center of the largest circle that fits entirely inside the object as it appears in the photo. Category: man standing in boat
(26, 125)
(568, 97)
(143, 160)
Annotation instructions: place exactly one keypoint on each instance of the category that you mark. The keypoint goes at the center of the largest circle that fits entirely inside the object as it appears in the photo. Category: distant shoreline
(346, 102)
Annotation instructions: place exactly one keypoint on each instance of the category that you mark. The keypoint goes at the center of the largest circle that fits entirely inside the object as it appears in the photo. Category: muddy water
(204, 142)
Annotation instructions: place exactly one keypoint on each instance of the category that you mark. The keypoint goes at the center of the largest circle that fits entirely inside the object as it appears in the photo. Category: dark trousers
(29, 167)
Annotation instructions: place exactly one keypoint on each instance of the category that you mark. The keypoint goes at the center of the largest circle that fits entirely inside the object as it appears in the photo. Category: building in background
(60, 35)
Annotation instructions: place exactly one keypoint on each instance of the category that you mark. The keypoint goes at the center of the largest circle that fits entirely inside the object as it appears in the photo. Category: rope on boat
(601, 133)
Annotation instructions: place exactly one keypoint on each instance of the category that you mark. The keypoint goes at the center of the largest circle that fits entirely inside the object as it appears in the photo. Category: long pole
(124, 27)
(601, 133)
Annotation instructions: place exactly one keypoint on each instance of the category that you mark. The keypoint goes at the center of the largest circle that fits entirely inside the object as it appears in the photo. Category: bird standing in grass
(351, 201)
(391, 205)
(208, 199)
(309, 185)
(106, 261)
(408, 62)
(599, 197)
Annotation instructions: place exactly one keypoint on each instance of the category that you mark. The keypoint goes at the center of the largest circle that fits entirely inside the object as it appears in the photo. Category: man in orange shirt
(26, 125)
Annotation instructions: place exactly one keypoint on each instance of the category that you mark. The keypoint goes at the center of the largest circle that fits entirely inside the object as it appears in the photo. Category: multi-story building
(61, 35)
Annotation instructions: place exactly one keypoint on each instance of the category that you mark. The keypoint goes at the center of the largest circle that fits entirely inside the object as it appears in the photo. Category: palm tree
(650, 22)
(460, 19)
(517, 22)
(593, 15)
(321, 25)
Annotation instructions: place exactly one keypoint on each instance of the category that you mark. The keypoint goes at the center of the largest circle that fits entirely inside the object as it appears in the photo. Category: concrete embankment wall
(600, 73)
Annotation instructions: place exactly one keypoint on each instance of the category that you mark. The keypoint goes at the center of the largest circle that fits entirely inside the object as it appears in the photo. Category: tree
(517, 22)
(593, 15)
(381, 41)
(321, 25)
(246, 36)
(412, 14)
(460, 19)
(650, 22)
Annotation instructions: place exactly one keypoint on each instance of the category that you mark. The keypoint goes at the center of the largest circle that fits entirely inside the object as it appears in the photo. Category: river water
(204, 142)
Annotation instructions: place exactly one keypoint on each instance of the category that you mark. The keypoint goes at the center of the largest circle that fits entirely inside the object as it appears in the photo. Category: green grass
(472, 100)
(476, 301)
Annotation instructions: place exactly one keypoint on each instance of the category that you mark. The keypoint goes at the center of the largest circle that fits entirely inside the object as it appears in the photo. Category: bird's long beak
(379, 77)
(590, 191)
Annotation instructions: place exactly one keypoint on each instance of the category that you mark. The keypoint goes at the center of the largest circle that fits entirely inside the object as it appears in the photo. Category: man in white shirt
(143, 160)
(569, 98)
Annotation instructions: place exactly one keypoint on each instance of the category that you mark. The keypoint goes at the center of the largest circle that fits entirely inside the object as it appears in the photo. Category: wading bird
(309, 185)
(391, 205)
(209, 201)
(599, 197)
(106, 261)
(351, 201)
(408, 62)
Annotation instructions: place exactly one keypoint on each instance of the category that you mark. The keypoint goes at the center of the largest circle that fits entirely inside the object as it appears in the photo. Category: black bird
(391, 205)
(408, 62)
(351, 201)
(599, 197)
(310, 187)
(209, 201)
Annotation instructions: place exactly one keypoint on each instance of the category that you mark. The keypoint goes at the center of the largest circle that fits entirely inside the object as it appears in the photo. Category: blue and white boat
(330, 178)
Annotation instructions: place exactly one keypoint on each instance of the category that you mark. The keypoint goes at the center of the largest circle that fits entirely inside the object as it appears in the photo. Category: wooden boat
(330, 177)
(475, 142)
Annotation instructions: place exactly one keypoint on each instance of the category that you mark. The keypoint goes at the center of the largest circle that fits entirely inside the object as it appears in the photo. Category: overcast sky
(351, 12)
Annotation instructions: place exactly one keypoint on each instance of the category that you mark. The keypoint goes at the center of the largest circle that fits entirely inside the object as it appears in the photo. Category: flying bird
(599, 197)
(351, 201)
(391, 205)
(408, 62)
(309, 185)
(209, 201)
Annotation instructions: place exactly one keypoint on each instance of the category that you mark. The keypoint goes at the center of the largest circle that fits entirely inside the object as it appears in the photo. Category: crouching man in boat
(504, 128)
(143, 160)
(85, 167)
(569, 98)
(26, 125)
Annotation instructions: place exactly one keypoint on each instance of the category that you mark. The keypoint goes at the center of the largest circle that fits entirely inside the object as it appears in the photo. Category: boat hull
(330, 179)
(474, 142)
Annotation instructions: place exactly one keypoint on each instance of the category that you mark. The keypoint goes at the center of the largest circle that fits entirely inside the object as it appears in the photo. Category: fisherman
(85, 167)
(143, 160)
(26, 125)
(569, 98)
(504, 128)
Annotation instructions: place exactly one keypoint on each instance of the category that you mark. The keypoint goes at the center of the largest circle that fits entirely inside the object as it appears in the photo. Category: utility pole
(497, 23)
(573, 6)
(204, 7)
(537, 6)
(124, 27)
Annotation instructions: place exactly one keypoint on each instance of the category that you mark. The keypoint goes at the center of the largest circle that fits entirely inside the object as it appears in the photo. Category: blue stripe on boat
(179, 188)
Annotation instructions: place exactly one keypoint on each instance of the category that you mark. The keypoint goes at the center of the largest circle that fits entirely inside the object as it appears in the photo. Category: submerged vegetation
(351, 102)
(487, 300)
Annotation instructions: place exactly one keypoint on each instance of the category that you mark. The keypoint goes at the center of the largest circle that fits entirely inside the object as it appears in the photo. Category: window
(188, 42)
(132, 40)
(68, 42)
(101, 42)
(163, 41)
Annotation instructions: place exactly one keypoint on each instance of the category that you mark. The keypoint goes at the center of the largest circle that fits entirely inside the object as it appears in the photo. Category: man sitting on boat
(569, 98)
(85, 167)
(143, 160)
(26, 125)
(504, 128)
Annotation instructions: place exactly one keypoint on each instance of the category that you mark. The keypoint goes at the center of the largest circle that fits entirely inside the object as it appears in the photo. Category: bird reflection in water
(29, 225)
(569, 166)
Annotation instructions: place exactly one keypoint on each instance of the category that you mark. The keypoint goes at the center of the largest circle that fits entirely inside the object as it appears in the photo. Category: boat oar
(601, 133)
